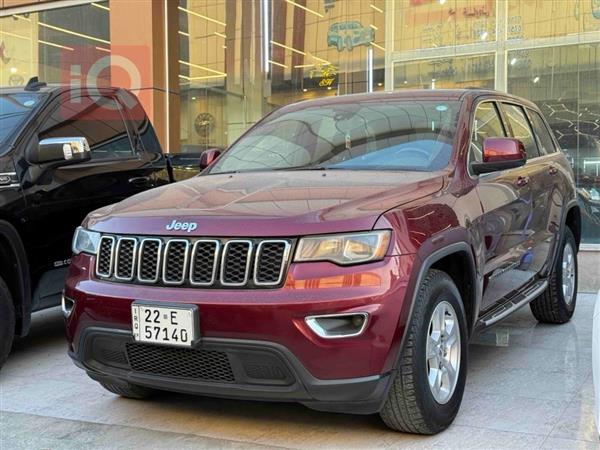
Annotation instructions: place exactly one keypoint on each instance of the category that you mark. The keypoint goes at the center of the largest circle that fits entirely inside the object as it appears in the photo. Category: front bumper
(260, 334)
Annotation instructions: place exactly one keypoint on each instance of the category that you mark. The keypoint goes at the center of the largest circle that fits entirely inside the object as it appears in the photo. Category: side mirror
(60, 151)
(208, 157)
(500, 154)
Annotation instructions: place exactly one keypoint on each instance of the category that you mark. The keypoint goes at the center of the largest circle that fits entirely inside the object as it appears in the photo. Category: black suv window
(520, 128)
(545, 142)
(99, 120)
(486, 123)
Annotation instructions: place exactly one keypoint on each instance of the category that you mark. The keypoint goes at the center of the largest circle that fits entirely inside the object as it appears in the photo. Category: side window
(520, 128)
(486, 124)
(545, 142)
(100, 121)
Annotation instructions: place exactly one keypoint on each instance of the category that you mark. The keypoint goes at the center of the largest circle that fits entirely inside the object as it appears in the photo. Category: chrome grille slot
(104, 259)
(192, 262)
(205, 259)
(235, 263)
(175, 261)
(271, 259)
(125, 258)
(148, 269)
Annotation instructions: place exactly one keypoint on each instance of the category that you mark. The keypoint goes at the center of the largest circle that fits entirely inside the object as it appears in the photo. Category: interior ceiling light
(324, 61)
(26, 19)
(288, 48)
(183, 33)
(484, 35)
(8, 33)
(305, 8)
(376, 8)
(378, 46)
(374, 27)
(102, 49)
(106, 8)
(206, 77)
(513, 61)
(196, 66)
(220, 35)
(74, 33)
(278, 64)
(52, 44)
(201, 16)
(302, 66)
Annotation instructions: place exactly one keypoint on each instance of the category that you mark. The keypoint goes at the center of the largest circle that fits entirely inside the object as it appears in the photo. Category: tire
(555, 305)
(127, 390)
(7, 322)
(411, 405)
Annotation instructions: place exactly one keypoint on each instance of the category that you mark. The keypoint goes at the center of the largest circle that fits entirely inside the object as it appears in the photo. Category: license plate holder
(160, 323)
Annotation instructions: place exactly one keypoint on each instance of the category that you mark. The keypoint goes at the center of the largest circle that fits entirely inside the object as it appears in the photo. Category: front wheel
(7, 322)
(557, 303)
(430, 378)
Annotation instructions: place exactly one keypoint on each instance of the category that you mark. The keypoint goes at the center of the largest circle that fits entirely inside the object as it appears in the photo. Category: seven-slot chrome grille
(209, 263)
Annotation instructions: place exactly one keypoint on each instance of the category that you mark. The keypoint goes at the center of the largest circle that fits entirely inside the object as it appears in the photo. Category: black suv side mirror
(60, 151)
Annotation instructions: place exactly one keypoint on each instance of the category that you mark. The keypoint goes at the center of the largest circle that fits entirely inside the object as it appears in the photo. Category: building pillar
(145, 32)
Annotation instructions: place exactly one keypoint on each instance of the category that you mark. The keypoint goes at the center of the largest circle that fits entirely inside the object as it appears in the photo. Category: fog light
(67, 306)
(333, 326)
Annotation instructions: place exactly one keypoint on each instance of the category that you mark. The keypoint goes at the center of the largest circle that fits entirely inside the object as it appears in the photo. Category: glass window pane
(545, 142)
(520, 128)
(453, 72)
(434, 24)
(486, 124)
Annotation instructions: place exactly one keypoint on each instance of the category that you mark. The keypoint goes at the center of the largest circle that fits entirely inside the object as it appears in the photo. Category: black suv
(63, 153)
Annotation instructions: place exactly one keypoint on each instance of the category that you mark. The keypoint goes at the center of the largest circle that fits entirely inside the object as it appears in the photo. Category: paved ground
(529, 386)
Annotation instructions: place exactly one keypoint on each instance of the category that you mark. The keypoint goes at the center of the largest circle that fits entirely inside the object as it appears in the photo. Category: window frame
(494, 102)
(530, 113)
(61, 99)
(524, 109)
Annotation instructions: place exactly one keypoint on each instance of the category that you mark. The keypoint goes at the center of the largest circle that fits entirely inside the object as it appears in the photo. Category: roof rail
(34, 84)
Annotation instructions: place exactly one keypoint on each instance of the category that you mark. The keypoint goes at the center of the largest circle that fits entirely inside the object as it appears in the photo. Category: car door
(505, 198)
(540, 182)
(58, 198)
(556, 176)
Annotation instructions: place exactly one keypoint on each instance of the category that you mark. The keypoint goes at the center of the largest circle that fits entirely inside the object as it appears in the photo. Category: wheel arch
(572, 220)
(14, 269)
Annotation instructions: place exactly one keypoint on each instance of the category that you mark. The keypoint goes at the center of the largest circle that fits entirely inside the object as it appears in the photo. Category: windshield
(14, 110)
(367, 135)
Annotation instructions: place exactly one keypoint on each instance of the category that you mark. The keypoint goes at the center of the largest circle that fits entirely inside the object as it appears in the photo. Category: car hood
(282, 203)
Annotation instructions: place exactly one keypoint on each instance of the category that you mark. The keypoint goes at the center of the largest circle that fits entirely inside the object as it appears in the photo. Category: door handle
(140, 181)
(552, 170)
(522, 181)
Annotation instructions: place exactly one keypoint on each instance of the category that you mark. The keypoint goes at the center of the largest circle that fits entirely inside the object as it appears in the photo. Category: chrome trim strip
(112, 257)
(529, 295)
(133, 256)
(248, 261)
(312, 323)
(215, 262)
(140, 260)
(284, 261)
(185, 262)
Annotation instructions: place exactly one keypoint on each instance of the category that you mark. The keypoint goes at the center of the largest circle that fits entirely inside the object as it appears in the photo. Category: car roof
(49, 89)
(408, 94)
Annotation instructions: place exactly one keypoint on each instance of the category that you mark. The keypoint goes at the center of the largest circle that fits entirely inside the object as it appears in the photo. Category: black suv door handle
(522, 181)
(552, 170)
(140, 181)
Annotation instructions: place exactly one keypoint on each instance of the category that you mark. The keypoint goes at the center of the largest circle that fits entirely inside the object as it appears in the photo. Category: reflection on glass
(565, 83)
(446, 73)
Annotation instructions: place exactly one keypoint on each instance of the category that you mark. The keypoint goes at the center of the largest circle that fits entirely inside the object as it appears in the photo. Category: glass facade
(237, 60)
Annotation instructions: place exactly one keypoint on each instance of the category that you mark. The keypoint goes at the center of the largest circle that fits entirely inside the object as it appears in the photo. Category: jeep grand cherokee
(340, 254)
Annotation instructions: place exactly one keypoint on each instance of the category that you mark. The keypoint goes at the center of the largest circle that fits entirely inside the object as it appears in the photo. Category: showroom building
(206, 70)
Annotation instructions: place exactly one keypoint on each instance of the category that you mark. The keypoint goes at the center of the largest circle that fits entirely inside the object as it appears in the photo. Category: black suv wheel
(557, 303)
(7, 322)
(430, 378)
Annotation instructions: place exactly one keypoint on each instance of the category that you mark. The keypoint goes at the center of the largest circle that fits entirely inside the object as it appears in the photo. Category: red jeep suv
(339, 254)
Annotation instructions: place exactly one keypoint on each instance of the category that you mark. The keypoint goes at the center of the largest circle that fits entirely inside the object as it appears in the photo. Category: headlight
(344, 248)
(85, 241)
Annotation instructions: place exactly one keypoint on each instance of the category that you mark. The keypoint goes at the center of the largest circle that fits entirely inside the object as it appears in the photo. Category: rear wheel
(127, 390)
(557, 303)
(7, 322)
(430, 379)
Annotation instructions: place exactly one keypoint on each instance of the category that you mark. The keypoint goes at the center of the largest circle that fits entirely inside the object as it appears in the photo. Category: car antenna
(34, 84)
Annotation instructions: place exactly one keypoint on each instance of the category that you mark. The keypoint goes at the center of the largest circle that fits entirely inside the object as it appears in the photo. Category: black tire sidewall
(440, 415)
(7, 322)
(568, 237)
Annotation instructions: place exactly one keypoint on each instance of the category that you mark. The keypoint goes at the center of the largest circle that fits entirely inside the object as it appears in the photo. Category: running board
(513, 303)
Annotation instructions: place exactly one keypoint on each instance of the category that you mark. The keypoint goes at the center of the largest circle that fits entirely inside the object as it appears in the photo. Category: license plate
(168, 325)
